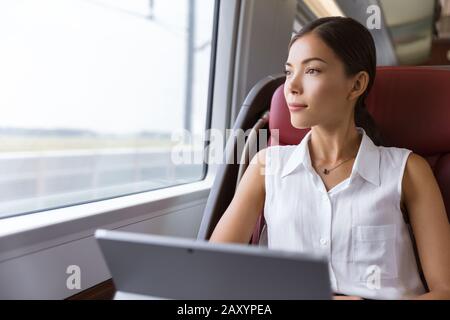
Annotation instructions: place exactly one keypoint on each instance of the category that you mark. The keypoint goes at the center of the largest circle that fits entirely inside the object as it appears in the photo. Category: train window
(94, 96)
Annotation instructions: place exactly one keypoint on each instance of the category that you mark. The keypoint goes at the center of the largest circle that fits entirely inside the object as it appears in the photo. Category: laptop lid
(176, 268)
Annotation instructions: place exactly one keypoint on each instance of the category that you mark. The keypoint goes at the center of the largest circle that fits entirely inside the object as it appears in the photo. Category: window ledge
(24, 234)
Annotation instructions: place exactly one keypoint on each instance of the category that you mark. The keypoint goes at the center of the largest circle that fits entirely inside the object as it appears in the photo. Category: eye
(312, 71)
(287, 72)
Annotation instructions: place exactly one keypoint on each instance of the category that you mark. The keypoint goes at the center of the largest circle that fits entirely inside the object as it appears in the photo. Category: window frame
(45, 242)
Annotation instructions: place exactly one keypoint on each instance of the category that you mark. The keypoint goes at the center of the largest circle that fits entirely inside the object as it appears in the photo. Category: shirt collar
(367, 162)
(298, 157)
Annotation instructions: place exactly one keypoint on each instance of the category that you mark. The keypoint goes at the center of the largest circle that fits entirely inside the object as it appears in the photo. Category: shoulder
(260, 158)
(413, 166)
(393, 157)
(418, 177)
(416, 162)
(393, 152)
(417, 169)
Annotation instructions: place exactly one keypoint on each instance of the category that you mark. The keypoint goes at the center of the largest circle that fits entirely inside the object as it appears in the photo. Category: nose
(294, 86)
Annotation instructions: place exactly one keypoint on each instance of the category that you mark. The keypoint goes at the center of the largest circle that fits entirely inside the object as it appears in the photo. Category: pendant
(326, 171)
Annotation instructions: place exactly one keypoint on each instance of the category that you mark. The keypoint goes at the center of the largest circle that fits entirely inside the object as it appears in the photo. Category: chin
(300, 124)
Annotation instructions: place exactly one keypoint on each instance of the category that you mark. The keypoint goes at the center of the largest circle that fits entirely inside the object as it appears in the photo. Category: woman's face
(316, 88)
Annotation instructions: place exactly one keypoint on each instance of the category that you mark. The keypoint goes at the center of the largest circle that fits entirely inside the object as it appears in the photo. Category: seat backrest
(411, 107)
(253, 109)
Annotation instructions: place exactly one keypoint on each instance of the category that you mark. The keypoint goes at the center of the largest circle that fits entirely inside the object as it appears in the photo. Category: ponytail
(364, 120)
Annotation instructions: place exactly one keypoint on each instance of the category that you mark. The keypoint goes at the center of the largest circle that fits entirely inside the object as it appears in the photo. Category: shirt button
(323, 241)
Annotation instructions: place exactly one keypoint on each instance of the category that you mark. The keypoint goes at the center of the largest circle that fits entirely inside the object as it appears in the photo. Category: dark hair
(354, 45)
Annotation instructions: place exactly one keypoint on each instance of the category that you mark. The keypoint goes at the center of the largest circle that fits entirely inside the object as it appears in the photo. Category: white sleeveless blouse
(357, 225)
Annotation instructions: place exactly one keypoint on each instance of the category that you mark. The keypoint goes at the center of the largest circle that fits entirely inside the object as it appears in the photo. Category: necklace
(327, 171)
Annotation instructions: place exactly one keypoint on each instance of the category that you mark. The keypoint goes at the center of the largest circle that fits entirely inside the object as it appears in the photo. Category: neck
(332, 145)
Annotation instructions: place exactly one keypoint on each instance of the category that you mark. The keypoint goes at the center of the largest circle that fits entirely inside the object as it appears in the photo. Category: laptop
(160, 267)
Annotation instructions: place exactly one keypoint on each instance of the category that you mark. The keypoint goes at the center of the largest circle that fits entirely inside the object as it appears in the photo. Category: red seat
(411, 107)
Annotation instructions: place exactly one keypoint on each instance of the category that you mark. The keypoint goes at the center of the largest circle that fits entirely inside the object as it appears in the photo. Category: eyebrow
(308, 60)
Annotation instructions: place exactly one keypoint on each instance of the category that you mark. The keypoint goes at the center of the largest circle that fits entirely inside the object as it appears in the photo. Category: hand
(346, 298)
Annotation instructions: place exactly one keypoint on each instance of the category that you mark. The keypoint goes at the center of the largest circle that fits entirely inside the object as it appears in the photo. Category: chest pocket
(373, 250)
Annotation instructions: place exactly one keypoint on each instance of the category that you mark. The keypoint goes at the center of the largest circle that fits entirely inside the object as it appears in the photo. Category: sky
(100, 65)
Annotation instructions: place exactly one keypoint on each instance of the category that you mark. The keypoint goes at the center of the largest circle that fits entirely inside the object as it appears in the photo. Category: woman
(339, 193)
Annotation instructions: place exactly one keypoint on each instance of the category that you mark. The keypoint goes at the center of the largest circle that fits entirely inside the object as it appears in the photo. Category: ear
(359, 84)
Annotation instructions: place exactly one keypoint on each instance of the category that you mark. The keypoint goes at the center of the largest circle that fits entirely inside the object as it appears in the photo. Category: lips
(296, 106)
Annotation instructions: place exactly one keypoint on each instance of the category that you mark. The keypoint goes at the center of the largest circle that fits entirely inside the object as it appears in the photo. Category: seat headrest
(280, 119)
(411, 107)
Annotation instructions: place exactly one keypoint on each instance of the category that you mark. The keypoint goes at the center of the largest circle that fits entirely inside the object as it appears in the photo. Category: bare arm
(425, 206)
(238, 221)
